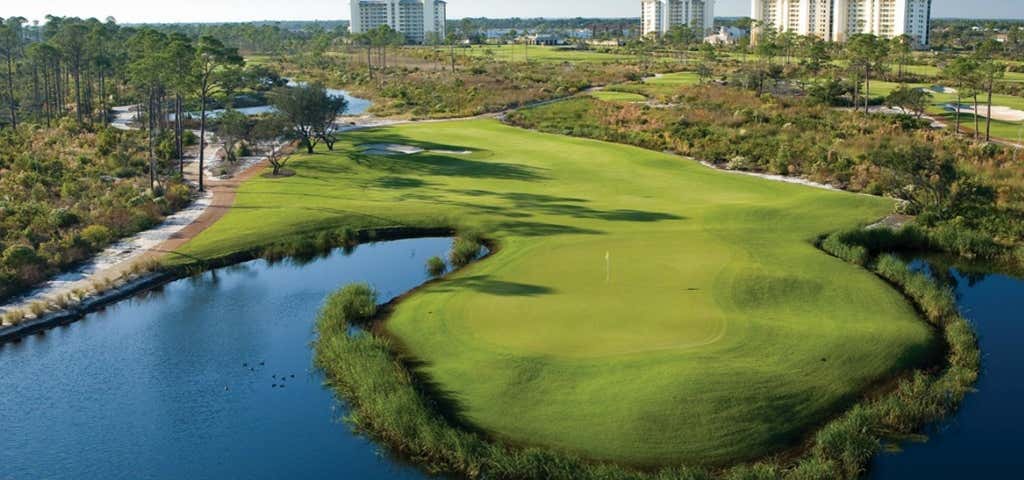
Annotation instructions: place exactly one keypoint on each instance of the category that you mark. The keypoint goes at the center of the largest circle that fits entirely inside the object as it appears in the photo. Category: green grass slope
(614, 96)
(642, 309)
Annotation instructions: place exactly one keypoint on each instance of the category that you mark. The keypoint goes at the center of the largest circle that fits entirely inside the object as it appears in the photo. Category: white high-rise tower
(659, 16)
(837, 20)
(419, 20)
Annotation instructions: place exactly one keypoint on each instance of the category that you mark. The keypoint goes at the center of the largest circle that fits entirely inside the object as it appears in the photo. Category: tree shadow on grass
(439, 160)
(542, 204)
(398, 183)
(488, 285)
(432, 164)
(539, 229)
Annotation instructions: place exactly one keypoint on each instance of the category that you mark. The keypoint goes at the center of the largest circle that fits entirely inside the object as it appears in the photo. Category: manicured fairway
(613, 96)
(642, 308)
(678, 78)
(661, 85)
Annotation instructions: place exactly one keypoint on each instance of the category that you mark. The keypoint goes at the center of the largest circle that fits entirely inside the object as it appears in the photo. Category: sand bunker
(1005, 114)
(399, 149)
(941, 89)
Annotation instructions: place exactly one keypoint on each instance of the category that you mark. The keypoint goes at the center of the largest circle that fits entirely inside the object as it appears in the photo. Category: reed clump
(468, 246)
(436, 267)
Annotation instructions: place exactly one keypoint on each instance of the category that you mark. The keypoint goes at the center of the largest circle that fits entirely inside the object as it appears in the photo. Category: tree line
(72, 68)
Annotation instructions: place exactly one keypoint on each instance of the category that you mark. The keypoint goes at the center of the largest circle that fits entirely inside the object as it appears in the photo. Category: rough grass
(643, 309)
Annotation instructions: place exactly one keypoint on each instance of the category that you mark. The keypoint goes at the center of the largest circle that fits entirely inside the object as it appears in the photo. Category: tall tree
(148, 73)
(902, 52)
(211, 57)
(867, 54)
(11, 44)
(70, 39)
(958, 71)
(990, 70)
(181, 56)
(310, 112)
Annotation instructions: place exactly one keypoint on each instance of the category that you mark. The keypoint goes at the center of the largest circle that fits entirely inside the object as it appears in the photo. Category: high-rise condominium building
(803, 17)
(659, 16)
(837, 20)
(419, 20)
(885, 18)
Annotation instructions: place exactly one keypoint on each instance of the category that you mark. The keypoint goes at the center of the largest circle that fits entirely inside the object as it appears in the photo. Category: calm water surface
(179, 383)
(356, 106)
(982, 439)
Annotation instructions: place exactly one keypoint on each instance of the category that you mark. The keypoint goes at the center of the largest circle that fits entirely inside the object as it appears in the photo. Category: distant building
(419, 20)
(659, 16)
(726, 36)
(497, 33)
(885, 18)
(544, 39)
(837, 20)
(803, 17)
(581, 34)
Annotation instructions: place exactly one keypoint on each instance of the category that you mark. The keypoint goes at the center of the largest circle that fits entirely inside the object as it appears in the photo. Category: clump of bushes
(436, 267)
(468, 246)
(353, 305)
(852, 253)
(69, 192)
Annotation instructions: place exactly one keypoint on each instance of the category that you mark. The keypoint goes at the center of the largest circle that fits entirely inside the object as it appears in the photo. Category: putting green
(613, 96)
(642, 309)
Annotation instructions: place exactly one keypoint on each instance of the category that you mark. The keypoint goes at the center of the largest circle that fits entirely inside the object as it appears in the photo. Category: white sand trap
(774, 178)
(941, 89)
(452, 152)
(399, 149)
(391, 149)
(1004, 114)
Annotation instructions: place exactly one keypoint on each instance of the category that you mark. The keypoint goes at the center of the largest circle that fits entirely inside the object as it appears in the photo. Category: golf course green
(613, 96)
(641, 308)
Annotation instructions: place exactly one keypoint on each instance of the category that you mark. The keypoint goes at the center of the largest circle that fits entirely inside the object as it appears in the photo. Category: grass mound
(642, 310)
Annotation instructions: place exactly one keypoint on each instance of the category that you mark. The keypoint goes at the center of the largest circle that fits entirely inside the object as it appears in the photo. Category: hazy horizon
(214, 11)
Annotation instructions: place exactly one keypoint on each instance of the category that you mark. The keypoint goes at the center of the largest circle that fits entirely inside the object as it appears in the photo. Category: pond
(981, 439)
(207, 377)
(356, 106)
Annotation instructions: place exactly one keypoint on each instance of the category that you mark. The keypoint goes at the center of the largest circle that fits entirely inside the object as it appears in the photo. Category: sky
(139, 11)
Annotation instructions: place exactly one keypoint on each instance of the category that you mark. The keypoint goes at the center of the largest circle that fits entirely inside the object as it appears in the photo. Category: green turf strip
(642, 308)
(613, 96)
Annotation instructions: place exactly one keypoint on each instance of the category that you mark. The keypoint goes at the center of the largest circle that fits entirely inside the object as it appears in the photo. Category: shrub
(348, 237)
(835, 245)
(189, 138)
(97, 236)
(463, 252)
(436, 267)
(467, 248)
(849, 441)
(354, 304)
(814, 468)
(19, 256)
